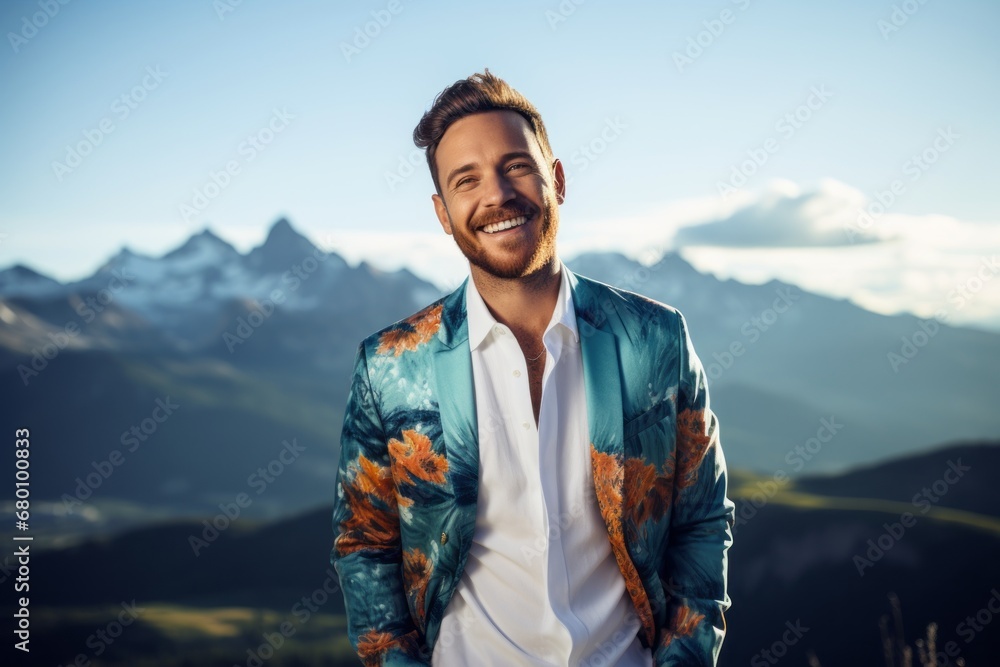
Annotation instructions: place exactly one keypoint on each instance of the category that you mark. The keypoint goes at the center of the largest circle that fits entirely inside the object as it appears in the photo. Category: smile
(505, 224)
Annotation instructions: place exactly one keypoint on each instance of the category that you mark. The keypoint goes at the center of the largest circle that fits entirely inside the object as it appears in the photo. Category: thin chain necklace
(539, 355)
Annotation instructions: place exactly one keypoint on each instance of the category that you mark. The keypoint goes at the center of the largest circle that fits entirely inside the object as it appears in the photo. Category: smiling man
(530, 473)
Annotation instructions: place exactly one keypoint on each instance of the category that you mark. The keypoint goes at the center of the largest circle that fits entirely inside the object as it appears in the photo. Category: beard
(523, 261)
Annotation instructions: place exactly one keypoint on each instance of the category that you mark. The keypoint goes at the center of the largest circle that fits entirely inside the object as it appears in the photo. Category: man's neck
(523, 304)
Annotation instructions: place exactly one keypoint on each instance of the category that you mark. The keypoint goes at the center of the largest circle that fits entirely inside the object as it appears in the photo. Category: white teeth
(505, 224)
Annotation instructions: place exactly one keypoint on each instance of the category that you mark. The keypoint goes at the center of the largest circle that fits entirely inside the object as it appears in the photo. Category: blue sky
(663, 132)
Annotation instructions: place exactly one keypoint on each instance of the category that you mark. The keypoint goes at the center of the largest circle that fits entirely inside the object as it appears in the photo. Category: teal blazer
(407, 483)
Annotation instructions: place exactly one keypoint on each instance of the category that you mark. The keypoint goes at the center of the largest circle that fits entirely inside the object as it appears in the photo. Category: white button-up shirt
(541, 585)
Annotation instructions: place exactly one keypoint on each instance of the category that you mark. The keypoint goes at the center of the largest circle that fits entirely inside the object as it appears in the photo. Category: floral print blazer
(407, 482)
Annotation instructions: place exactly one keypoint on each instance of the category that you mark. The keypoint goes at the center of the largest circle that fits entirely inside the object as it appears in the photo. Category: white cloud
(835, 243)
(923, 264)
(786, 216)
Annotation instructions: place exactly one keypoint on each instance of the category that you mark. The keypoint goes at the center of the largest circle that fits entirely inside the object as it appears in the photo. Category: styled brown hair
(476, 94)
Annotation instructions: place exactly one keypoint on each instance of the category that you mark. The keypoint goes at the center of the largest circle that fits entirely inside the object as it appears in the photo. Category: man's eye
(519, 165)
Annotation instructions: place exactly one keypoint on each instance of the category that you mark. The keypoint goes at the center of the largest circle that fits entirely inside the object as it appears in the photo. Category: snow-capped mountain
(206, 271)
(193, 290)
(801, 382)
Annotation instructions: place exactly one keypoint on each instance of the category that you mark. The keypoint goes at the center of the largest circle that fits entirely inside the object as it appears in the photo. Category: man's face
(491, 170)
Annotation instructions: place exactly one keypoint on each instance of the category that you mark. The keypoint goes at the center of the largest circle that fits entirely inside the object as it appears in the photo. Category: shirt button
(500, 330)
(517, 373)
(525, 424)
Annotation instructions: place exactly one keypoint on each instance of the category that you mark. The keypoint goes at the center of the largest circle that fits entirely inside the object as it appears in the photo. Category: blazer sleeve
(694, 570)
(367, 553)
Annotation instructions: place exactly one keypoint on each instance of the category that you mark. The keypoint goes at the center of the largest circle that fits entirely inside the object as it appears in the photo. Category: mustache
(505, 213)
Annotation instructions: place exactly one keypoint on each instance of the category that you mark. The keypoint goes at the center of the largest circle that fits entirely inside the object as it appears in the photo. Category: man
(530, 473)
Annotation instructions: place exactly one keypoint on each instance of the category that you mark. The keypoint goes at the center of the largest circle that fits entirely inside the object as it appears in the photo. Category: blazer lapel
(455, 393)
(455, 388)
(601, 375)
(599, 350)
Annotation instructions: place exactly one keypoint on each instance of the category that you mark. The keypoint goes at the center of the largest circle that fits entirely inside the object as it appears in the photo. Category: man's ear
(442, 213)
(560, 180)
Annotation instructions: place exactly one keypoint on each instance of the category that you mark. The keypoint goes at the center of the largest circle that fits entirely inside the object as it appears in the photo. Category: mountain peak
(209, 235)
(281, 225)
(24, 271)
(284, 234)
(205, 241)
(124, 253)
(21, 280)
(283, 248)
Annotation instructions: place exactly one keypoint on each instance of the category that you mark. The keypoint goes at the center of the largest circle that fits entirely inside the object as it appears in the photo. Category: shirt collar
(481, 321)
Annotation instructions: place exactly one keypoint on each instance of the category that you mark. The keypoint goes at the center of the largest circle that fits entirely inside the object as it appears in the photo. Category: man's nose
(498, 189)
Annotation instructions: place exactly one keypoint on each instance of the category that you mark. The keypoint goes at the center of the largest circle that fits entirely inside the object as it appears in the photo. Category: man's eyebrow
(524, 155)
(506, 157)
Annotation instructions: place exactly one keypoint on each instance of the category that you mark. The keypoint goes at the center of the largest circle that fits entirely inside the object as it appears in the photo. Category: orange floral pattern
(369, 525)
(608, 483)
(375, 480)
(417, 569)
(393, 458)
(372, 646)
(693, 443)
(683, 624)
(413, 459)
(412, 332)
(648, 493)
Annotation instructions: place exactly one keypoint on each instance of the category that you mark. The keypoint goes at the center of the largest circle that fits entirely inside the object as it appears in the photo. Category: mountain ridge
(237, 344)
